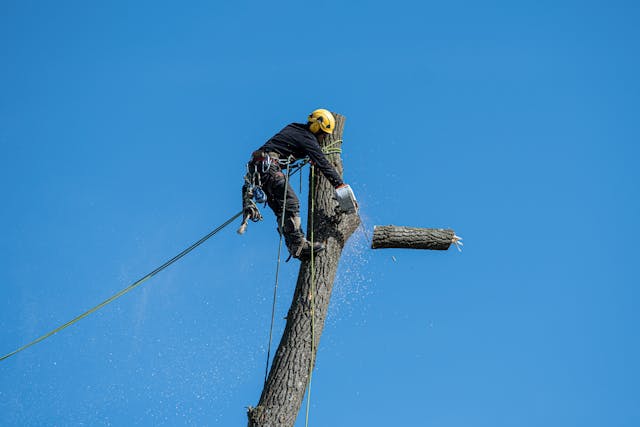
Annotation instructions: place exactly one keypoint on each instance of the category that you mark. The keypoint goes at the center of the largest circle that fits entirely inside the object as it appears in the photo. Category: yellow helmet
(321, 119)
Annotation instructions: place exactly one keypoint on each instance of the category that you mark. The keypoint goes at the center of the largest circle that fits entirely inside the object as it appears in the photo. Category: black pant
(274, 184)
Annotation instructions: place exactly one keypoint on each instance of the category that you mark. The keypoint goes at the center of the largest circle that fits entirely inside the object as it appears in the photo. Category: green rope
(331, 148)
(126, 290)
(327, 150)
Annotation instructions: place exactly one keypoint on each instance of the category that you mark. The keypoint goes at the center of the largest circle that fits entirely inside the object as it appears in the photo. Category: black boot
(298, 246)
(305, 252)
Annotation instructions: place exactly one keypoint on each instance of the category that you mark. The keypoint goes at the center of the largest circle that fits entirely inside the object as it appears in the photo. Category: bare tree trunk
(289, 375)
(391, 236)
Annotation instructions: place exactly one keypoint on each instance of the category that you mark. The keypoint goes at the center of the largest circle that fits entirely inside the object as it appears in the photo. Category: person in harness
(296, 141)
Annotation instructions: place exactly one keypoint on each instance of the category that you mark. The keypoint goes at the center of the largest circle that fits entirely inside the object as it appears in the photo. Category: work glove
(341, 199)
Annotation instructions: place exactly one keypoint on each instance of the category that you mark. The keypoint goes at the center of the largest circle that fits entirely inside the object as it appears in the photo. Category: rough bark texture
(285, 387)
(392, 236)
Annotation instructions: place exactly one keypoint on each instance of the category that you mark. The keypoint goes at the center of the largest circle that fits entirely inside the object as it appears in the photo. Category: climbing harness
(252, 191)
(127, 289)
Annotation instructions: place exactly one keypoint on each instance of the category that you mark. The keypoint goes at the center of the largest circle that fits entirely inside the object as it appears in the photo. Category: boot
(299, 247)
(305, 249)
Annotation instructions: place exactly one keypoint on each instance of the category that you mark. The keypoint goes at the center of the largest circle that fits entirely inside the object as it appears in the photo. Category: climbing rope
(127, 289)
(290, 172)
(327, 150)
(311, 297)
(275, 288)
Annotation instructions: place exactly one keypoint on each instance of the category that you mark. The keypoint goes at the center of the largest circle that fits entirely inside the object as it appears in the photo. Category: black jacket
(298, 141)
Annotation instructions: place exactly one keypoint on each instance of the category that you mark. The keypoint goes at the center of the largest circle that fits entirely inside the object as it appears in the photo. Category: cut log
(392, 236)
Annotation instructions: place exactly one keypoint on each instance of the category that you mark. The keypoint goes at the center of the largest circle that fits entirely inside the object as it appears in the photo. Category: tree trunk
(291, 368)
(391, 236)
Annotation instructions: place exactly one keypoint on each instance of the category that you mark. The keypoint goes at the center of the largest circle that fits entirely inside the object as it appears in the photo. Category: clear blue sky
(124, 128)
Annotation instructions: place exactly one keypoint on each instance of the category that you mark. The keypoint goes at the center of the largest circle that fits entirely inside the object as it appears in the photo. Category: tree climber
(296, 141)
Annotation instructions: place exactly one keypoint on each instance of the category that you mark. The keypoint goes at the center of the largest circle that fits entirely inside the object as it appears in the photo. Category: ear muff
(314, 127)
(328, 128)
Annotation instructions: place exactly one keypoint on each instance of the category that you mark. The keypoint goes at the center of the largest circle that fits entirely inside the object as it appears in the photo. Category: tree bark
(391, 236)
(295, 358)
